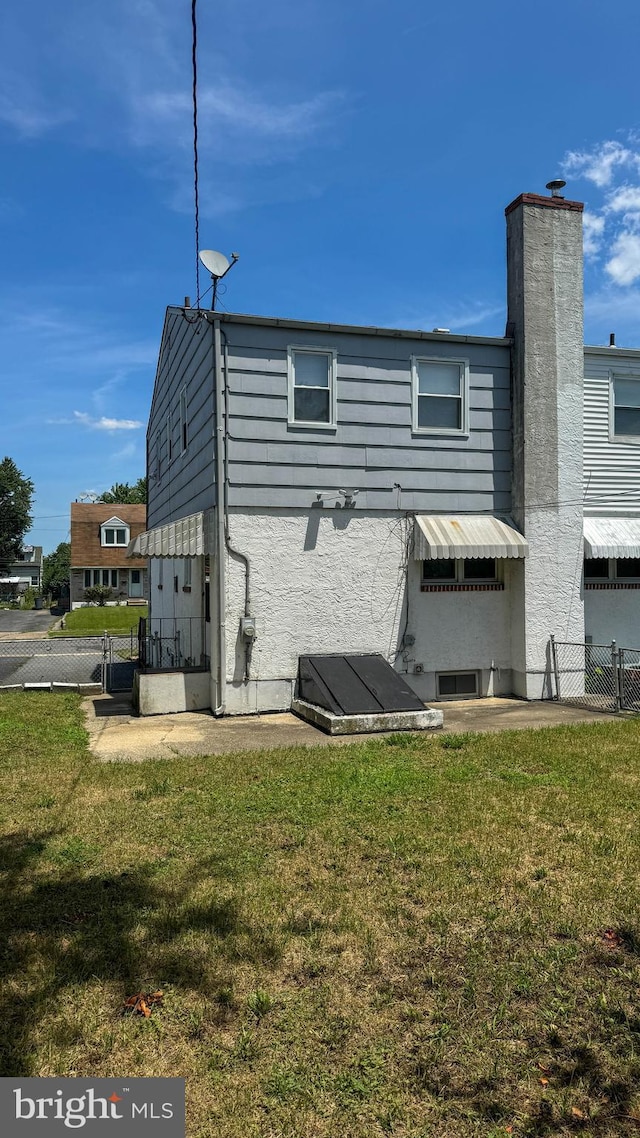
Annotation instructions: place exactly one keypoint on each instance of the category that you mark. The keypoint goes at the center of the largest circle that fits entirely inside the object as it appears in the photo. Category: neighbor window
(611, 569)
(625, 407)
(114, 532)
(312, 387)
(440, 395)
(107, 577)
(115, 536)
(447, 571)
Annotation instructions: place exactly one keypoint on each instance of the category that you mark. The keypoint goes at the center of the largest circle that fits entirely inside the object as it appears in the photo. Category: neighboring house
(100, 534)
(322, 488)
(27, 567)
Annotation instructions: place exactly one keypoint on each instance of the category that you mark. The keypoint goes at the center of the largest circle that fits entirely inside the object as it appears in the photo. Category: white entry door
(135, 582)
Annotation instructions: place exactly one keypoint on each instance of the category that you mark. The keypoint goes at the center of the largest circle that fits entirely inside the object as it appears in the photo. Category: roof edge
(353, 329)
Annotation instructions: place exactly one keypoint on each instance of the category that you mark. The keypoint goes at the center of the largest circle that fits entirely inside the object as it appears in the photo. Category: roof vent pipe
(612, 339)
(555, 186)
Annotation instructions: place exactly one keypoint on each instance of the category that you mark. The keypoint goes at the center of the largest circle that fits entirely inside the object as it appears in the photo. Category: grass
(92, 621)
(399, 937)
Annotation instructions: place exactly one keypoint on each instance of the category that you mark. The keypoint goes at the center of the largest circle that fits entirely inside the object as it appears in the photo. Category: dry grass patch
(413, 936)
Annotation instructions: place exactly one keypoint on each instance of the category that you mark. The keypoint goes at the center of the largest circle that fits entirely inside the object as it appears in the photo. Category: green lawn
(89, 621)
(417, 936)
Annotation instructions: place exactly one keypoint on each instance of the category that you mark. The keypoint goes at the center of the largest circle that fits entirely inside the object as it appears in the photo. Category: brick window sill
(463, 587)
(612, 584)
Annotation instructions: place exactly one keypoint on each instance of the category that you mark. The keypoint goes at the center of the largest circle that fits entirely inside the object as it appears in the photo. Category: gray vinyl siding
(372, 448)
(187, 483)
(611, 469)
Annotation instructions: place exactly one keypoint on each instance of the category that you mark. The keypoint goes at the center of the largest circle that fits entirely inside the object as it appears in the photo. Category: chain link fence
(69, 661)
(105, 663)
(601, 677)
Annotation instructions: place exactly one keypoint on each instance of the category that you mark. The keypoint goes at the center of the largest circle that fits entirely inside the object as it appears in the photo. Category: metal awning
(191, 536)
(612, 537)
(466, 535)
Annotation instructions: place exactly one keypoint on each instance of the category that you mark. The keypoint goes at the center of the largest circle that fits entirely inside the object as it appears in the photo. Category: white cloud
(598, 165)
(625, 199)
(28, 120)
(105, 424)
(455, 317)
(140, 98)
(624, 266)
(593, 229)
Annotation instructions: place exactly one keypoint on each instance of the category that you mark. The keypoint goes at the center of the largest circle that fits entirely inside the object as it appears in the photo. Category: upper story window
(312, 387)
(115, 532)
(440, 393)
(625, 407)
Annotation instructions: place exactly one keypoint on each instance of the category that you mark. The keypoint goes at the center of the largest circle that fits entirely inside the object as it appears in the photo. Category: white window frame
(114, 524)
(463, 365)
(184, 422)
(96, 577)
(633, 440)
(332, 356)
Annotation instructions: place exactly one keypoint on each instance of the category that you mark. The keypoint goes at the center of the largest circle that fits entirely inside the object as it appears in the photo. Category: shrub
(98, 595)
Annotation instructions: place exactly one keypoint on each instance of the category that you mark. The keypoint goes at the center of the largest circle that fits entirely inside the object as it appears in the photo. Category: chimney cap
(555, 185)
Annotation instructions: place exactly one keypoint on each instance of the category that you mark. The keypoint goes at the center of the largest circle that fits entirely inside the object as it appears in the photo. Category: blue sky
(357, 155)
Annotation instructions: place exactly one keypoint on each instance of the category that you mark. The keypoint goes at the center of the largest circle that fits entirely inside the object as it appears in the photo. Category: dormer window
(114, 533)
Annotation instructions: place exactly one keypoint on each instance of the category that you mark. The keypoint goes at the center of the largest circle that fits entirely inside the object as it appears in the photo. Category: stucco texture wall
(334, 580)
(613, 614)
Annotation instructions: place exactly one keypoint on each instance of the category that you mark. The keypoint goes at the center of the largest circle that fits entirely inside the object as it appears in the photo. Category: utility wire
(194, 63)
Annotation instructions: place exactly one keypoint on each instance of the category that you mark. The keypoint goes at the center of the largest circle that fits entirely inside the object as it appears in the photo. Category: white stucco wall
(613, 614)
(334, 580)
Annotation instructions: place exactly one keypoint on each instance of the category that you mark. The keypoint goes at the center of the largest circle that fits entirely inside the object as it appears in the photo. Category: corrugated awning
(185, 537)
(466, 535)
(612, 537)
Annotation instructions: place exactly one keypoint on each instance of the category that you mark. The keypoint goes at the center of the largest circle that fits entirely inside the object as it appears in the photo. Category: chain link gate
(601, 677)
(120, 660)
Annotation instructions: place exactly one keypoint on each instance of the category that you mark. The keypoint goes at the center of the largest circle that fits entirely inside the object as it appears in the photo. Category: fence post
(104, 661)
(554, 662)
(617, 695)
(621, 683)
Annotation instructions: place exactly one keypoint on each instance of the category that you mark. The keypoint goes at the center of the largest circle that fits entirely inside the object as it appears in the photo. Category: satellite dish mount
(218, 265)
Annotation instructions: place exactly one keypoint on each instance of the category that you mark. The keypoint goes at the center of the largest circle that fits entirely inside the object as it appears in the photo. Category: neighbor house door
(135, 582)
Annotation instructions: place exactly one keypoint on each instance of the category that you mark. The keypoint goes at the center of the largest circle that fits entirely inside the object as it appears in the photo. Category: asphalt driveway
(28, 620)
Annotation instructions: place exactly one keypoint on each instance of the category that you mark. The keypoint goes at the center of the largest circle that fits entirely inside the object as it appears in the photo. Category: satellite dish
(216, 263)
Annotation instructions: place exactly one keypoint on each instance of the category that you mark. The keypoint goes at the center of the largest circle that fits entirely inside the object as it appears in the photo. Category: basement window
(312, 387)
(612, 572)
(456, 685)
(459, 574)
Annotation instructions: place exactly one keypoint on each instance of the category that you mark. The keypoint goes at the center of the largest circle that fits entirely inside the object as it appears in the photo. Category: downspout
(221, 678)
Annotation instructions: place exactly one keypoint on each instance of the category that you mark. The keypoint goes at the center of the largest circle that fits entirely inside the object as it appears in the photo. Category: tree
(56, 568)
(121, 493)
(16, 493)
